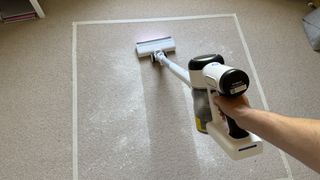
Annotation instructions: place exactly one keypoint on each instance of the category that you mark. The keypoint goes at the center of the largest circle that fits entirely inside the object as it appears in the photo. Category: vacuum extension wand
(181, 73)
(208, 77)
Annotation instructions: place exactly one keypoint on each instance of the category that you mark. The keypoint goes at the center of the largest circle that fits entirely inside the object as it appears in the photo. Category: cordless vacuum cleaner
(209, 77)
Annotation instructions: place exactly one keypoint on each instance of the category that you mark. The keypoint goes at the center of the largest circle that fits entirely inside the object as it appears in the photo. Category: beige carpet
(36, 91)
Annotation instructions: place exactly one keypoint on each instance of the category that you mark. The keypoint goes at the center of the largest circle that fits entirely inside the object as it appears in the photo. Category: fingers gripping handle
(234, 130)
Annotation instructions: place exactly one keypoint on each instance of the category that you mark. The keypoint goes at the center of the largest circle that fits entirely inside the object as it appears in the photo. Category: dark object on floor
(314, 3)
(16, 10)
(311, 25)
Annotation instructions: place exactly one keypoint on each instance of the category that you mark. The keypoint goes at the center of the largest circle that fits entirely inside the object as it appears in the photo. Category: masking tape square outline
(161, 19)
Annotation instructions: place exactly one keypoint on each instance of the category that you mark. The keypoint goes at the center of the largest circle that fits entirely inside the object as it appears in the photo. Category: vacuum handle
(234, 130)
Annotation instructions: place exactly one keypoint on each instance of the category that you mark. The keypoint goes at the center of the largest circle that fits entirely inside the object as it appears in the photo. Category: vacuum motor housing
(227, 81)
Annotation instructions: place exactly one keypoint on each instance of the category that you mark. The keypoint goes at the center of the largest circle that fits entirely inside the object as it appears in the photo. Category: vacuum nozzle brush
(146, 48)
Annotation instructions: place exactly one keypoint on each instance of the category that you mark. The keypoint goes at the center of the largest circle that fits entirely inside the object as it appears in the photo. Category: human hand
(234, 107)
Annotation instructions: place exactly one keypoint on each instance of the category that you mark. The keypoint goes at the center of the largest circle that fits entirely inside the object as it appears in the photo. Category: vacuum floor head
(146, 48)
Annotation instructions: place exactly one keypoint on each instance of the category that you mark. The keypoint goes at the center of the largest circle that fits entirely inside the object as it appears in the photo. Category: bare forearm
(297, 136)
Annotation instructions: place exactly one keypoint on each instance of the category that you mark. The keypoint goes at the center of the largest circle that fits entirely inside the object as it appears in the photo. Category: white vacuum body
(207, 76)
